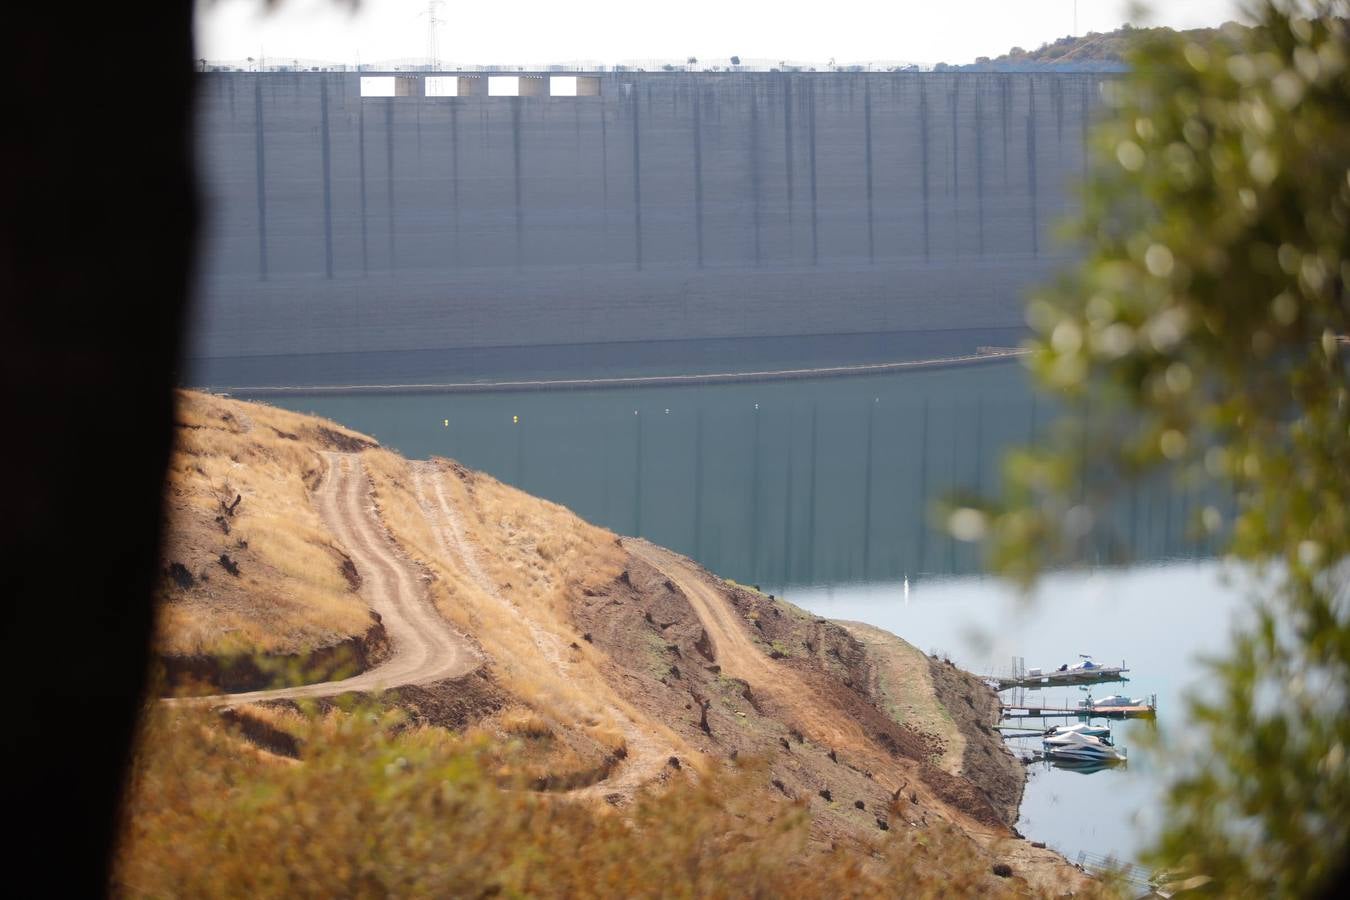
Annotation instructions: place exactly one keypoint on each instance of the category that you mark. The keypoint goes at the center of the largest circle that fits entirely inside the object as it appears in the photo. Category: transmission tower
(434, 22)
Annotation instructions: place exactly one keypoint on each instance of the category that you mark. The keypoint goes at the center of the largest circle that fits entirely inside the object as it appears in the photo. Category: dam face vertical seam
(923, 156)
(260, 169)
(698, 176)
(1085, 109)
(361, 155)
(867, 140)
(1031, 167)
(979, 163)
(604, 174)
(454, 174)
(389, 179)
(516, 179)
(637, 185)
(811, 126)
(787, 142)
(1005, 115)
(327, 182)
(754, 167)
(1057, 97)
(953, 98)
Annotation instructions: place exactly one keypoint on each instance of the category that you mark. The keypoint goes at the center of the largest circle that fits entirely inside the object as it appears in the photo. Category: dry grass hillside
(249, 568)
(590, 673)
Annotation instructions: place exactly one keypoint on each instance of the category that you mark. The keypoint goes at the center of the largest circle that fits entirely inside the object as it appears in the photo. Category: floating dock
(1033, 711)
(1058, 679)
(1080, 674)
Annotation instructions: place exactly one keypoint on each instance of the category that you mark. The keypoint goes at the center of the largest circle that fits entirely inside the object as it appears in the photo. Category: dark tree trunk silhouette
(96, 237)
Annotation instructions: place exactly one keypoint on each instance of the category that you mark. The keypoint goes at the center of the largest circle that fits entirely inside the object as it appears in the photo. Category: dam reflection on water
(781, 484)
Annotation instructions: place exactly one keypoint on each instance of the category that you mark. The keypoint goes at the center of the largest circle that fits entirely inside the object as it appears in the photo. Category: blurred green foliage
(376, 807)
(1204, 336)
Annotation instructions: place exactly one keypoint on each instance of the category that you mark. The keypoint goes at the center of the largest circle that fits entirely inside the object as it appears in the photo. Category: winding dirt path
(646, 756)
(739, 656)
(425, 647)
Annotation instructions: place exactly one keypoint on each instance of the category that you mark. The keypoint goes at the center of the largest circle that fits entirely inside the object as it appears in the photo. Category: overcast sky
(609, 31)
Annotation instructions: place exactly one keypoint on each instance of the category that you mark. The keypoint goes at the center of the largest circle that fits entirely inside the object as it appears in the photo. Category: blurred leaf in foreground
(1203, 339)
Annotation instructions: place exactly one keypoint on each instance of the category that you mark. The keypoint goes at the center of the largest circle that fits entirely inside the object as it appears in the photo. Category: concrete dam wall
(652, 207)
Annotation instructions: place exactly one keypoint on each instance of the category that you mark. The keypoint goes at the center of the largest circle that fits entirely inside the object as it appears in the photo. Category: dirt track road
(646, 754)
(425, 647)
(740, 657)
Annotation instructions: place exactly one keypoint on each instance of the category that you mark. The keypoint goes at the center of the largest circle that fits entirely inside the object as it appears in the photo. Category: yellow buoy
(515, 420)
(447, 423)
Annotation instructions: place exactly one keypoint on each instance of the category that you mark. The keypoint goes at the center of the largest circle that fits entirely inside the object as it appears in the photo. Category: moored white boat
(1074, 745)
(1101, 732)
(1112, 701)
(1083, 670)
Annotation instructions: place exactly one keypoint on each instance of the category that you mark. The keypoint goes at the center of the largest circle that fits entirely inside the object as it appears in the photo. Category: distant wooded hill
(1094, 49)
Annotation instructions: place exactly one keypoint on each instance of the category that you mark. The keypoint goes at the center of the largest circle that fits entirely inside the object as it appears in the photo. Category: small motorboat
(1085, 669)
(1100, 732)
(1112, 701)
(1073, 745)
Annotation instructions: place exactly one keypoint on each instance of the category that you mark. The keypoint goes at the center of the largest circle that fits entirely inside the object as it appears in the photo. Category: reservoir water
(820, 491)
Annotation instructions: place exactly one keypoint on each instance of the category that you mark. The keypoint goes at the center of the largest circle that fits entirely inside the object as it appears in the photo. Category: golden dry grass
(291, 595)
(535, 556)
(374, 809)
(524, 722)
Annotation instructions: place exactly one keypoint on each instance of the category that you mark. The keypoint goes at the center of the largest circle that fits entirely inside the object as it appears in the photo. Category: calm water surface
(818, 490)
